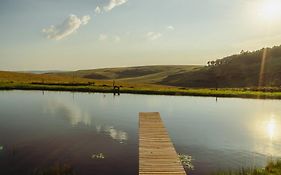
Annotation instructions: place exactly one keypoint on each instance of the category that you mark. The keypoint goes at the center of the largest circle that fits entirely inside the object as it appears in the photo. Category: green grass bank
(153, 90)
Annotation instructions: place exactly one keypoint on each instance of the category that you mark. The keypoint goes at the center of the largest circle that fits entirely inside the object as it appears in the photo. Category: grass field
(25, 81)
(145, 90)
(140, 74)
(17, 77)
(238, 70)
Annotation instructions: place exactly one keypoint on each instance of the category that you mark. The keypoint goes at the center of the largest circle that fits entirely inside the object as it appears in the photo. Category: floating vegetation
(98, 156)
(186, 161)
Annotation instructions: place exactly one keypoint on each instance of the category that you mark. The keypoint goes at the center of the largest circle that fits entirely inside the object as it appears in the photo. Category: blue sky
(85, 34)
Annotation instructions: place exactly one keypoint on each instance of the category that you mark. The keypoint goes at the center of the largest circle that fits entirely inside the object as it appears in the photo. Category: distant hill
(140, 74)
(19, 77)
(41, 71)
(240, 70)
(247, 69)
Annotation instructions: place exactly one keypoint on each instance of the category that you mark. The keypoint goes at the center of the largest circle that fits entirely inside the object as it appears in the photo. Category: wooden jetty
(157, 155)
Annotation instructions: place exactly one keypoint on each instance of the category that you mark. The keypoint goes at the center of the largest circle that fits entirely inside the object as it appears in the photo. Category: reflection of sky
(230, 132)
(68, 111)
(73, 114)
(115, 134)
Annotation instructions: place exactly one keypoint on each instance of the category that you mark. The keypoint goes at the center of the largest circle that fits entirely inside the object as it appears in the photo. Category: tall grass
(272, 168)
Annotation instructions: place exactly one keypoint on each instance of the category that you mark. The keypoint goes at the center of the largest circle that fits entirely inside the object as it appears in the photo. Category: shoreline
(176, 91)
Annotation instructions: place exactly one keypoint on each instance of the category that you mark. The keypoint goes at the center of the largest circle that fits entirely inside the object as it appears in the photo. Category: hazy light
(270, 9)
(271, 128)
(267, 134)
(261, 77)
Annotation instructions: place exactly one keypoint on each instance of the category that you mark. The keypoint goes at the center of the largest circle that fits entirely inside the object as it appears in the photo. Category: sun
(270, 9)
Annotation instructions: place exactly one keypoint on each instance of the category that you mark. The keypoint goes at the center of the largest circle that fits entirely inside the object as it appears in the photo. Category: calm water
(39, 130)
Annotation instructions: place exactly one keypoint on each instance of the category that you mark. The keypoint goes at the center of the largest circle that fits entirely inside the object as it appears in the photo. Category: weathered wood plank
(157, 155)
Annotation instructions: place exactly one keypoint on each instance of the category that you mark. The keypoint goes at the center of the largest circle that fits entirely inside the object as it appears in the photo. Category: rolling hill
(247, 69)
(20, 77)
(141, 74)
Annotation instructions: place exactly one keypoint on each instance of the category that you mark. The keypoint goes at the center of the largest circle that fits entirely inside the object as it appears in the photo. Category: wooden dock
(157, 154)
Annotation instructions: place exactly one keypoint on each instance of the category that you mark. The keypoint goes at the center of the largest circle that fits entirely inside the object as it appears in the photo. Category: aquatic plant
(186, 161)
(98, 156)
(272, 168)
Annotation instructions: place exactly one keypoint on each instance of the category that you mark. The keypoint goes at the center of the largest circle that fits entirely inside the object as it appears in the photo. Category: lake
(41, 130)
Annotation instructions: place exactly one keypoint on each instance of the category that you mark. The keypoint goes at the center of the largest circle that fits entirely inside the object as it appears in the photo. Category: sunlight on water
(267, 127)
(214, 133)
(271, 128)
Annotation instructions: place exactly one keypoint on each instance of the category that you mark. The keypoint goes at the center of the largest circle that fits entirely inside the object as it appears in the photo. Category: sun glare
(270, 9)
(271, 126)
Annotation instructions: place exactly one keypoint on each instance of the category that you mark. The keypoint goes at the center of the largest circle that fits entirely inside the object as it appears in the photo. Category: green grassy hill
(141, 74)
(19, 77)
(241, 70)
(247, 69)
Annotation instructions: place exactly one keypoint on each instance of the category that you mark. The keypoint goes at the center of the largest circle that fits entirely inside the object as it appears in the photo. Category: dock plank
(157, 155)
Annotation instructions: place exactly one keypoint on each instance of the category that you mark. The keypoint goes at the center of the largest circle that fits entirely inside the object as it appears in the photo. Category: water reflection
(68, 111)
(271, 128)
(115, 134)
(228, 134)
(268, 126)
(72, 113)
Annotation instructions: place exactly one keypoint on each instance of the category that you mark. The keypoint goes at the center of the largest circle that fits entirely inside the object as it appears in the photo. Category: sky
(87, 34)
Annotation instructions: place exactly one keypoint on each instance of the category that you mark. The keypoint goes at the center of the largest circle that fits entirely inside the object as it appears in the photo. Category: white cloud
(103, 37)
(153, 35)
(85, 19)
(68, 27)
(110, 38)
(113, 3)
(170, 28)
(117, 38)
(97, 10)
